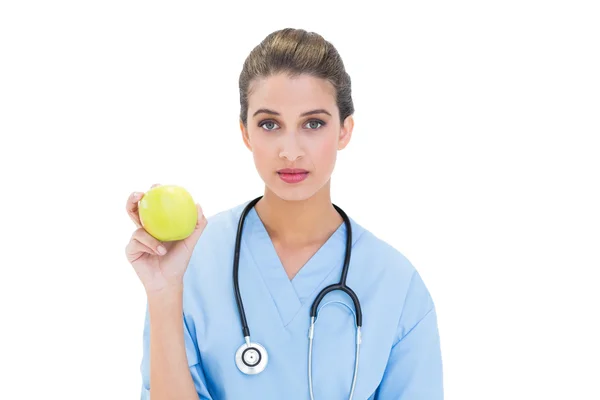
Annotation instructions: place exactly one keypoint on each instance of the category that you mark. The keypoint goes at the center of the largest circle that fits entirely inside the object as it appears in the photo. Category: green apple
(168, 213)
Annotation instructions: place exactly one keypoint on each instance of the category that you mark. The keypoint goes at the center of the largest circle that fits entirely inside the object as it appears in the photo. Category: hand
(159, 265)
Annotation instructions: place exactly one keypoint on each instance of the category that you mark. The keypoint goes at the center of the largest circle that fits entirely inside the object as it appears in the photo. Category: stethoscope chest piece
(251, 358)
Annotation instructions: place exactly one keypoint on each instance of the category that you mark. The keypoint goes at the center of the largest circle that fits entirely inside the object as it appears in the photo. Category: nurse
(286, 246)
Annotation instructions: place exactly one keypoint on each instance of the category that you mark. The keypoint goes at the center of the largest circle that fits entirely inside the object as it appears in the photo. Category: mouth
(292, 175)
(292, 171)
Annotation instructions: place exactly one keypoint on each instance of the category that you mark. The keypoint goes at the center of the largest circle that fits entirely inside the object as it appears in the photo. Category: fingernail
(136, 196)
(161, 250)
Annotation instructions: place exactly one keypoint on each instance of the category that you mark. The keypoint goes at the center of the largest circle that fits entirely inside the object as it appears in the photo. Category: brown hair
(296, 51)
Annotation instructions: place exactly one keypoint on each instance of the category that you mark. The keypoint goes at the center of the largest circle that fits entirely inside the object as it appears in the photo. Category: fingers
(152, 245)
(132, 206)
(201, 218)
(200, 226)
(135, 248)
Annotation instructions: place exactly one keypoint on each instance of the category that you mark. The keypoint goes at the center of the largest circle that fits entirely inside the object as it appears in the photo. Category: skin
(299, 217)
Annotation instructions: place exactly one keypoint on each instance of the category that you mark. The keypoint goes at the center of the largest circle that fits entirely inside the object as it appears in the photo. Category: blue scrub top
(400, 355)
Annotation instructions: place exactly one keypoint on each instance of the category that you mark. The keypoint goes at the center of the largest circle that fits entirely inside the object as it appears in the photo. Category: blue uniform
(400, 355)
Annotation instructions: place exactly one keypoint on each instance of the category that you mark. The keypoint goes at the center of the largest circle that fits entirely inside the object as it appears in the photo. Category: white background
(475, 153)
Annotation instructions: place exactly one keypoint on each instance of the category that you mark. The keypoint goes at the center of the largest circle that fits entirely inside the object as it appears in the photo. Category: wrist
(171, 291)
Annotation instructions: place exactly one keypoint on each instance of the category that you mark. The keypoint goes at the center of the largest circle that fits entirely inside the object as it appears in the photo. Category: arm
(170, 361)
(414, 369)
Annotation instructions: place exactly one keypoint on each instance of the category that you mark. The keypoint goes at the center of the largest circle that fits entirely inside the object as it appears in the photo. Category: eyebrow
(267, 111)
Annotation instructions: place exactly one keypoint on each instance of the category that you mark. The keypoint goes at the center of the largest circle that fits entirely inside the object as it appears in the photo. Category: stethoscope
(252, 358)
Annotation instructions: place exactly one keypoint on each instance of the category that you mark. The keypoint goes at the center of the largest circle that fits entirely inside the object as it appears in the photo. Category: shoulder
(220, 228)
(380, 257)
(225, 220)
(216, 244)
(396, 278)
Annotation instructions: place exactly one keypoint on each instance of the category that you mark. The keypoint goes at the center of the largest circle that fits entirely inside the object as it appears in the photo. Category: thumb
(200, 225)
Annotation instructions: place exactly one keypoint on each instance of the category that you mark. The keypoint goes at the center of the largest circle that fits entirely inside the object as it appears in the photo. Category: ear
(346, 132)
(245, 135)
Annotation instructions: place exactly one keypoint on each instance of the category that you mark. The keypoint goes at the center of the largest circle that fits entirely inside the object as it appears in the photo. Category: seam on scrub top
(358, 237)
(412, 276)
(193, 338)
(417, 324)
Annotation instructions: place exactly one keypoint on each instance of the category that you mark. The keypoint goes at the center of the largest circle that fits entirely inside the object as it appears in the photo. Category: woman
(296, 114)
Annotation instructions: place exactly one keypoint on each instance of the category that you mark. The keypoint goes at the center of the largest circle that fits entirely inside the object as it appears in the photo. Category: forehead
(290, 94)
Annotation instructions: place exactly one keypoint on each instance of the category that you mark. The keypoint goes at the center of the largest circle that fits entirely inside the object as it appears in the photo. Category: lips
(292, 175)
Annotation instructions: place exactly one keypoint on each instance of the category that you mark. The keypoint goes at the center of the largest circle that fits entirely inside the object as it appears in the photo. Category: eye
(268, 125)
(314, 122)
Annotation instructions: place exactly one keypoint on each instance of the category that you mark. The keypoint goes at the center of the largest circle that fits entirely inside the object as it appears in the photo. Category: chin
(293, 192)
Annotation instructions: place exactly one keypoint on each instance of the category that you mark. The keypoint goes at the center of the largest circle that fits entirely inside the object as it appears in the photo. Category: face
(294, 123)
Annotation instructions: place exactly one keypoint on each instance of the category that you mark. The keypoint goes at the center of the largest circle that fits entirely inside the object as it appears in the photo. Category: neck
(299, 223)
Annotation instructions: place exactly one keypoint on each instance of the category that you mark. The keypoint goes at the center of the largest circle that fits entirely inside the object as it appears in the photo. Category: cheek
(325, 152)
(262, 152)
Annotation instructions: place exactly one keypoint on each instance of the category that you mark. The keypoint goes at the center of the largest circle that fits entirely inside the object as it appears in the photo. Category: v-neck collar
(291, 295)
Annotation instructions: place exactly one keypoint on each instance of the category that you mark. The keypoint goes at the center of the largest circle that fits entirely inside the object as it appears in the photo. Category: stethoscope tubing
(341, 285)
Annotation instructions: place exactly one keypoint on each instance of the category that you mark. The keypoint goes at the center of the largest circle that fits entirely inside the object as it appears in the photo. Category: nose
(290, 147)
